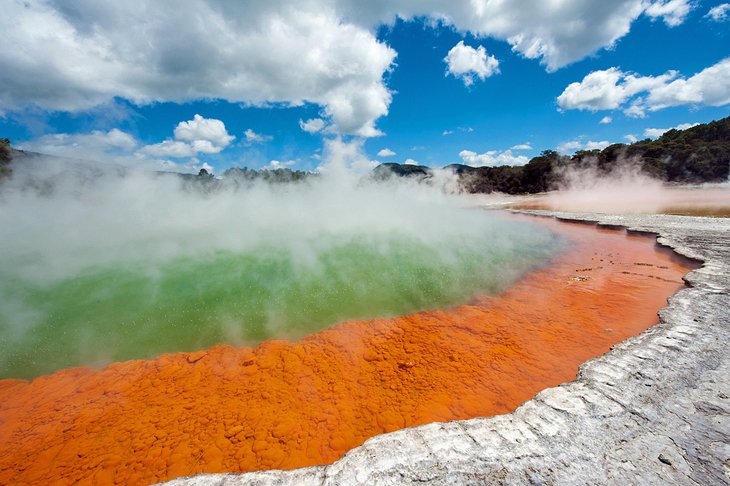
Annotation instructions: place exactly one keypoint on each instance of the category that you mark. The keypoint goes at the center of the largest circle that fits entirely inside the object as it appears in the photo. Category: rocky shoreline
(654, 410)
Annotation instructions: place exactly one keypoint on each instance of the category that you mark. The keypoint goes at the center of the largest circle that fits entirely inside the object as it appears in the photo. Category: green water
(139, 310)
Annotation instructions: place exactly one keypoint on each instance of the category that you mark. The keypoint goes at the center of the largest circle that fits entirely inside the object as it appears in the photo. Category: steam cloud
(626, 189)
(72, 230)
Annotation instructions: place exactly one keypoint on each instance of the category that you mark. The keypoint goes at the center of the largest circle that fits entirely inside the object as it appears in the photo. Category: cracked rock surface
(654, 410)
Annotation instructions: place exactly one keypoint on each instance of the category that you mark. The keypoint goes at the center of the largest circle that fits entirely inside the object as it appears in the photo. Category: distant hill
(696, 155)
(275, 176)
(403, 170)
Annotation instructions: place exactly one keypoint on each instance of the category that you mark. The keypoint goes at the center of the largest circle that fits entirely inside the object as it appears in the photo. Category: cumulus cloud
(673, 12)
(313, 125)
(203, 129)
(575, 145)
(253, 137)
(719, 13)
(606, 120)
(492, 158)
(169, 148)
(73, 56)
(278, 164)
(711, 86)
(199, 135)
(658, 132)
(608, 89)
(465, 63)
(88, 52)
(410, 162)
(386, 152)
(556, 33)
(612, 89)
(522, 146)
(446, 133)
(631, 138)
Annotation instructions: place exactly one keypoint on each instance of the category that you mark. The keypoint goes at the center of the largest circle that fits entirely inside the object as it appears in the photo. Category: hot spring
(398, 305)
(102, 266)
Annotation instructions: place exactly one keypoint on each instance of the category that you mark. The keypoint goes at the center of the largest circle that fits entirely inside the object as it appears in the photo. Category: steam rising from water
(102, 265)
(626, 189)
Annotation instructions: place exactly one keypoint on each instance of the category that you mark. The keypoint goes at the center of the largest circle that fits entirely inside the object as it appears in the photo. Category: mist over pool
(103, 266)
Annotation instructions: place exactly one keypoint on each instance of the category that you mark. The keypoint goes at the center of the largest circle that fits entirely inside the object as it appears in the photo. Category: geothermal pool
(287, 404)
(297, 320)
(130, 269)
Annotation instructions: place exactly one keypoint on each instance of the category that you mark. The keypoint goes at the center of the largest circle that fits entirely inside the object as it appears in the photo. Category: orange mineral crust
(292, 404)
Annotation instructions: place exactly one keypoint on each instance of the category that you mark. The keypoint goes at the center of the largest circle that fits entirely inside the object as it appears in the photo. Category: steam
(103, 264)
(625, 189)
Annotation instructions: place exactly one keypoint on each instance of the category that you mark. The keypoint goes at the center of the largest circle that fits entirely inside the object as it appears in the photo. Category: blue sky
(395, 65)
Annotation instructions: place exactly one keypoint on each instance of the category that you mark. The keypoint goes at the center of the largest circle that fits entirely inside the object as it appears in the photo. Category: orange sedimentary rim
(292, 404)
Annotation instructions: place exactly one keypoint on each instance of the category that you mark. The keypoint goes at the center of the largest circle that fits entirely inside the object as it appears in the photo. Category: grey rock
(607, 426)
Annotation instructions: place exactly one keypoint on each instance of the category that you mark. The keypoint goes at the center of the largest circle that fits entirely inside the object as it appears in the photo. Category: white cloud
(169, 148)
(113, 147)
(386, 152)
(590, 145)
(673, 12)
(253, 137)
(575, 145)
(492, 158)
(655, 132)
(608, 89)
(711, 86)
(199, 135)
(465, 62)
(276, 164)
(557, 33)
(94, 145)
(658, 132)
(631, 138)
(86, 53)
(206, 129)
(313, 125)
(522, 146)
(612, 89)
(606, 120)
(719, 13)
(73, 56)
(635, 111)
(411, 162)
(446, 133)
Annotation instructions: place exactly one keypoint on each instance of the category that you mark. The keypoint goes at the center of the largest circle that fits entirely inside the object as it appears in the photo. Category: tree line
(695, 155)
